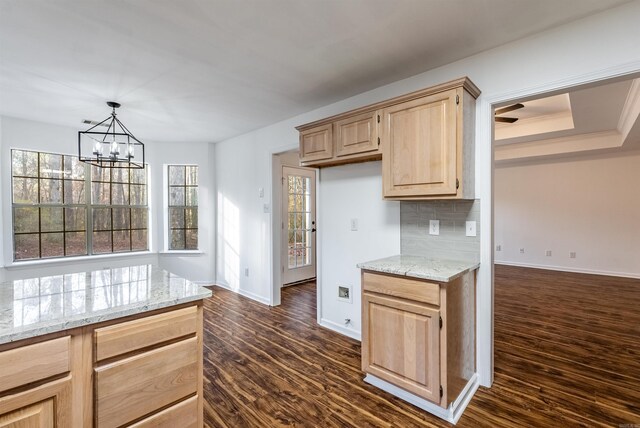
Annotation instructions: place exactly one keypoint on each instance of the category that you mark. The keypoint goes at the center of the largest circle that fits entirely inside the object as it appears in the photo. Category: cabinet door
(357, 134)
(401, 344)
(39, 415)
(420, 147)
(47, 405)
(316, 143)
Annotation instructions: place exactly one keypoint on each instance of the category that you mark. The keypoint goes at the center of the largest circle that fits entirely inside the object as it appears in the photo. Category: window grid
(70, 177)
(183, 207)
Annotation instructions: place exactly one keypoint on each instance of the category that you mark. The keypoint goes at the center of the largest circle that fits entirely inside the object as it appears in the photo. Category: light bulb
(130, 151)
(97, 147)
(115, 150)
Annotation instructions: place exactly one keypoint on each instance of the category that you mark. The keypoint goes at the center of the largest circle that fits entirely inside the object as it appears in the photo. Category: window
(183, 207)
(62, 207)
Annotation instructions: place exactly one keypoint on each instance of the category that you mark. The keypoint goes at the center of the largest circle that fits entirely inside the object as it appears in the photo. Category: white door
(298, 224)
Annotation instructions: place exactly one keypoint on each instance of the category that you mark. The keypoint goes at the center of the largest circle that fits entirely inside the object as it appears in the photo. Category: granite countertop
(37, 306)
(432, 269)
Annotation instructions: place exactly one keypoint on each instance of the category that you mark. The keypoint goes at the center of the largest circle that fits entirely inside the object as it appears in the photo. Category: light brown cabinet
(425, 140)
(144, 370)
(419, 335)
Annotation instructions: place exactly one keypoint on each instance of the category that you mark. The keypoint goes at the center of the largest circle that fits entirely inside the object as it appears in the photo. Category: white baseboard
(354, 334)
(450, 414)
(248, 294)
(206, 283)
(569, 269)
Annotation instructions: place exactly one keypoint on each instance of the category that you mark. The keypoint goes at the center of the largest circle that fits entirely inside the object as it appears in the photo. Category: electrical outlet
(521, 250)
(354, 224)
(266, 208)
(434, 227)
(344, 293)
(572, 254)
(548, 253)
(498, 247)
(470, 228)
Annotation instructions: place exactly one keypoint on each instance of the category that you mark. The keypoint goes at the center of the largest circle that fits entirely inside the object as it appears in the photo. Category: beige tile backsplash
(452, 243)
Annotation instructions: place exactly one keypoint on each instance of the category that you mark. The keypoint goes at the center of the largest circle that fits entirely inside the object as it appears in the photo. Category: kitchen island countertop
(433, 269)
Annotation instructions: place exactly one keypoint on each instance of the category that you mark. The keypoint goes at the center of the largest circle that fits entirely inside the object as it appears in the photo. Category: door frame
(486, 106)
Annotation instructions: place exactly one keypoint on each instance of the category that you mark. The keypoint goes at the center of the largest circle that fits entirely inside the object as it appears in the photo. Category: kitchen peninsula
(105, 348)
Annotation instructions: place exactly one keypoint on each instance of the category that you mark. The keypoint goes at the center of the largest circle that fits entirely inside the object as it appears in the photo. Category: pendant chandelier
(115, 147)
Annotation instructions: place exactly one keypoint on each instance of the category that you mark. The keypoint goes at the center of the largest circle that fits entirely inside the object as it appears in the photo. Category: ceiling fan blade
(507, 109)
(506, 119)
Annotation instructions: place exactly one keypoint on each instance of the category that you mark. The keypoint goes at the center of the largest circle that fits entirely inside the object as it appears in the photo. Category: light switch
(471, 228)
(354, 224)
(261, 192)
(434, 227)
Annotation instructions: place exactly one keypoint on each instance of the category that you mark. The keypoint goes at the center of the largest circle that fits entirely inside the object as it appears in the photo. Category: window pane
(51, 220)
(27, 247)
(291, 239)
(120, 219)
(192, 239)
(139, 218)
(191, 218)
(25, 190)
(177, 239)
(51, 165)
(52, 245)
(176, 196)
(192, 196)
(120, 175)
(191, 175)
(176, 218)
(73, 168)
(139, 176)
(101, 219)
(50, 191)
(101, 242)
(138, 194)
(24, 163)
(75, 218)
(119, 194)
(26, 220)
(76, 243)
(292, 184)
(122, 240)
(100, 193)
(139, 240)
(292, 257)
(74, 192)
(100, 174)
(176, 175)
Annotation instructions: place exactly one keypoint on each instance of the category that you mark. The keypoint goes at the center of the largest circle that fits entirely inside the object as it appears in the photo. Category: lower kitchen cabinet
(419, 335)
(44, 406)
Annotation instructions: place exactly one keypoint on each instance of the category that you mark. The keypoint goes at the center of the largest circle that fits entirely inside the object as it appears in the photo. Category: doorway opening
(567, 250)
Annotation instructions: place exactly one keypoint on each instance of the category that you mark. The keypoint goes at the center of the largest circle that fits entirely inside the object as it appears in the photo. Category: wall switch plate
(498, 247)
(246, 271)
(266, 208)
(521, 250)
(261, 192)
(470, 228)
(434, 227)
(548, 253)
(344, 293)
(354, 224)
(572, 255)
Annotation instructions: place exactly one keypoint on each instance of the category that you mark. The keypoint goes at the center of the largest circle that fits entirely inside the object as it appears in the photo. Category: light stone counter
(421, 267)
(37, 306)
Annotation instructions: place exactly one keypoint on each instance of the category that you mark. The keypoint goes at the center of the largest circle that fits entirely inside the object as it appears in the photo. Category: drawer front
(406, 288)
(129, 336)
(35, 362)
(183, 414)
(137, 386)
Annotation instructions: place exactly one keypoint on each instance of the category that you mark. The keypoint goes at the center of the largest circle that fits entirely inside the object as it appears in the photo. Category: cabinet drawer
(129, 336)
(34, 362)
(137, 386)
(406, 288)
(183, 414)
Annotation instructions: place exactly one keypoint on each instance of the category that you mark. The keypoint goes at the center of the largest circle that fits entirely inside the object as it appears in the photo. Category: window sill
(71, 260)
(181, 253)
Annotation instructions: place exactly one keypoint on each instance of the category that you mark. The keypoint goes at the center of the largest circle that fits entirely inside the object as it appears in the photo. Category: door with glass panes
(298, 224)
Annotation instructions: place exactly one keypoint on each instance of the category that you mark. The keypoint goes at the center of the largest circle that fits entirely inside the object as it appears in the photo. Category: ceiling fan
(507, 109)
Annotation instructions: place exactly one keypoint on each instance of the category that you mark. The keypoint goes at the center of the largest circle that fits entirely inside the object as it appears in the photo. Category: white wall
(589, 205)
(352, 192)
(592, 48)
(26, 134)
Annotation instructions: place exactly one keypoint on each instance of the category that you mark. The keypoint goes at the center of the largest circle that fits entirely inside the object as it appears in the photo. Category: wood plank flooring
(567, 354)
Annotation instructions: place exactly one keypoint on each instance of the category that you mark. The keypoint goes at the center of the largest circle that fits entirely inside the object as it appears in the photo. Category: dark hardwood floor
(567, 354)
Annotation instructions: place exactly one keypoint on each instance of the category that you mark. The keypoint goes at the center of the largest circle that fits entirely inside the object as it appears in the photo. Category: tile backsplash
(452, 242)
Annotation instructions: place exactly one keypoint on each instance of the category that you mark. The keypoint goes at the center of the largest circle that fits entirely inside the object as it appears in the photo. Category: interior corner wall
(586, 205)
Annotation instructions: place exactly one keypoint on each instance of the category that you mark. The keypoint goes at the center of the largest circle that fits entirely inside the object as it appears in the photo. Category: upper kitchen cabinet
(316, 144)
(357, 134)
(428, 149)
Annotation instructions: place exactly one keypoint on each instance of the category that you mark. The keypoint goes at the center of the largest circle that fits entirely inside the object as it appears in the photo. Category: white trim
(247, 294)
(484, 183)
(570, 269)
(76, 259)
(631, 110)
(450, 414)
(181, 253)
(354, 334)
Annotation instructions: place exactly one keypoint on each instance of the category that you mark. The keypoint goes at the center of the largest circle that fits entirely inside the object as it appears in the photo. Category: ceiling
(207, 70)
